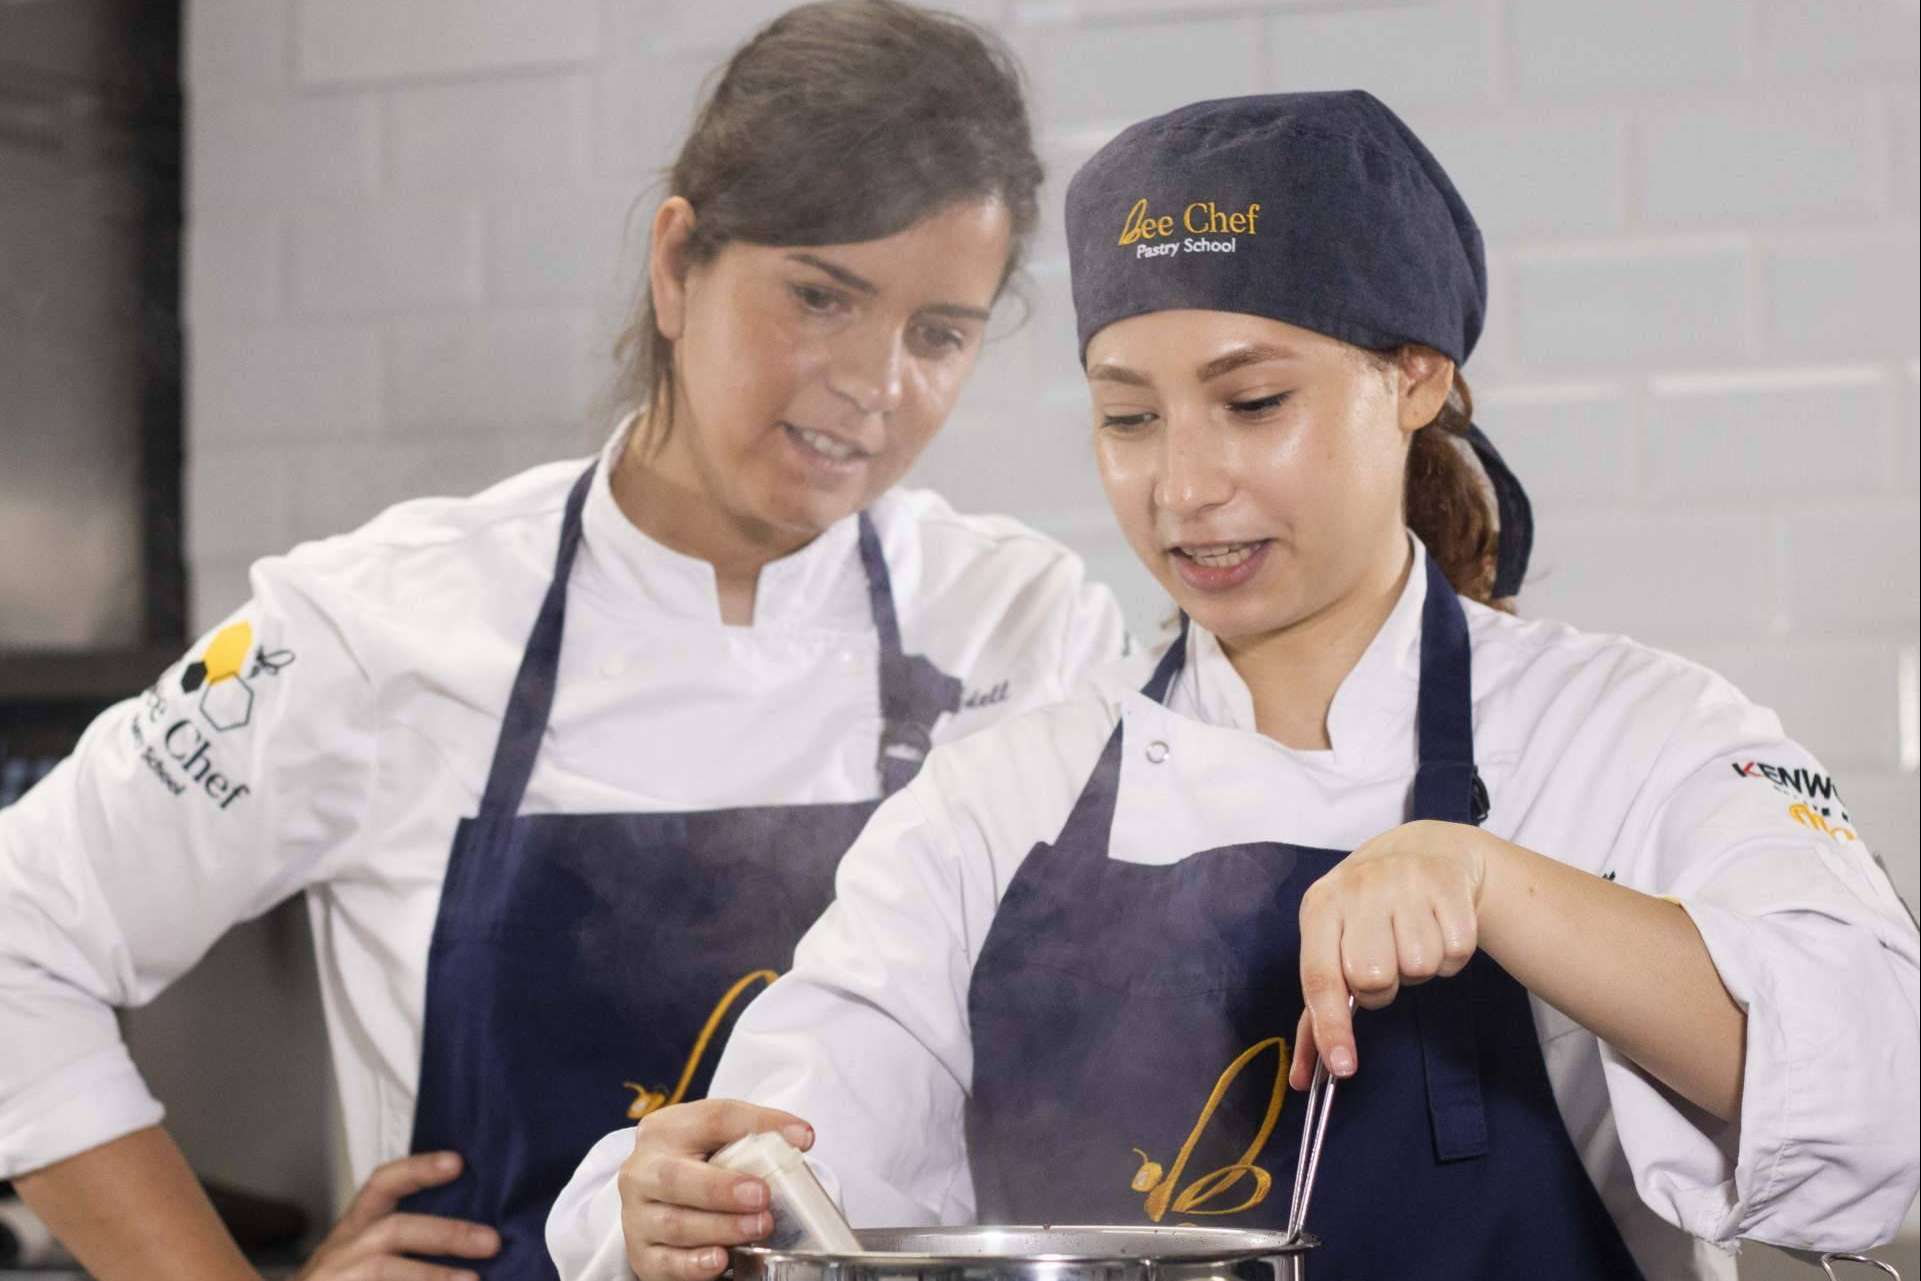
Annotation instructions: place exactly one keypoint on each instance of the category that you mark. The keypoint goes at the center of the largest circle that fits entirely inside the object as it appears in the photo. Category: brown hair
(1449, 506)
(1445, 498)
(842, 121)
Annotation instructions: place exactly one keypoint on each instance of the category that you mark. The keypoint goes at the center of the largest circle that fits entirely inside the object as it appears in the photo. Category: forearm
(1629, 967)
(131, 1210)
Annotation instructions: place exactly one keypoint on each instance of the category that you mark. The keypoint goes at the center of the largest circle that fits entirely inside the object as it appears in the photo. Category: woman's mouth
(826, 453)
(1217, 567)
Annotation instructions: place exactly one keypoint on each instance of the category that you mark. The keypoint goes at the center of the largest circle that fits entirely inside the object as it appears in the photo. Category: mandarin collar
(822, 583)
(1373, 704)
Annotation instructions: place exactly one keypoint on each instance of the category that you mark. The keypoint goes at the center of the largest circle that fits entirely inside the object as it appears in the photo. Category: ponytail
(1449, 505)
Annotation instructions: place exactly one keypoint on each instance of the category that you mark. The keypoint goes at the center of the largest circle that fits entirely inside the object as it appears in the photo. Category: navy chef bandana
(1321, 210)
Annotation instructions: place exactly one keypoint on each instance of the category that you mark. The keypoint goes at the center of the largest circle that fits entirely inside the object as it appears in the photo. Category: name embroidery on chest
(986, 697)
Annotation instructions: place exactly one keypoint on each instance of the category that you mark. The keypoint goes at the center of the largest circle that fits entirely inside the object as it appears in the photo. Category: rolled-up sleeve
(199, 804)
(1808, 935)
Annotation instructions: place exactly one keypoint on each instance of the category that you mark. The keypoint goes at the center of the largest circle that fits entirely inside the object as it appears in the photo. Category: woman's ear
(1423, 377)
(673, 229)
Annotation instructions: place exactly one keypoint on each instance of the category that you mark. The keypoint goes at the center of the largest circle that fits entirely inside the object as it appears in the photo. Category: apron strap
(1169, 667)
(1445, 784)
(913, 692)
(532, 699)
(1447, 787)
(1090, 824)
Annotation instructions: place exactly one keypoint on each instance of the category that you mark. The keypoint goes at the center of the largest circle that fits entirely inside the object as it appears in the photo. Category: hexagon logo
(227, 704)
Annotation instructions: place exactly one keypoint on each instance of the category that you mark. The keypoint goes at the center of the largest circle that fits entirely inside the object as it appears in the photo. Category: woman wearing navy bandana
(1628, 986)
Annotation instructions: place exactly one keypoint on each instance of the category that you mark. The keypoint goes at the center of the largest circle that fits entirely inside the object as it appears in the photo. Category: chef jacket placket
(587, 968)
(1130, 1025)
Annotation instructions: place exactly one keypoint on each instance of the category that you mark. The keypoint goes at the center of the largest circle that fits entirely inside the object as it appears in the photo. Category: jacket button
(1156, 752)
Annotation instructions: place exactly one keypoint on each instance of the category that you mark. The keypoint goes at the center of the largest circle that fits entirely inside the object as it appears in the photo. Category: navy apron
(586, 968)
(1131, 1029)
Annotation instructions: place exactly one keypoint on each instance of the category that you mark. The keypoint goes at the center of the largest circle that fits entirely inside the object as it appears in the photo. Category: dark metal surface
(91, 403)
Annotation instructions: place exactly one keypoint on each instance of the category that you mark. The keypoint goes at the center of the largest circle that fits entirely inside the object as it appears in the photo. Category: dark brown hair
(1445, 499)
(1449, 506)
(842, 121)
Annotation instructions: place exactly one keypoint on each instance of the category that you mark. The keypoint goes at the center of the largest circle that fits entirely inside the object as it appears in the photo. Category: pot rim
(1209, 1247)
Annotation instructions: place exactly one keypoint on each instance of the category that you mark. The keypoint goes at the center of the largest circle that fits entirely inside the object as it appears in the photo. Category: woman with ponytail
(1605, 973)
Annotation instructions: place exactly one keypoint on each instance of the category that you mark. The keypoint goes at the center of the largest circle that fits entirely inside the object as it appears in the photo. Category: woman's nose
(1193, 474)
(866, 370)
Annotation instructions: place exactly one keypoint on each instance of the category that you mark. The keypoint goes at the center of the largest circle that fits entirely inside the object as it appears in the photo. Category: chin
(796, 514)
(1226, 626)
(1249, 616)
(800, 507)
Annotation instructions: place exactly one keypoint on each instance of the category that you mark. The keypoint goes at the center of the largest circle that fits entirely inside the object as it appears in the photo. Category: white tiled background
(415, 227)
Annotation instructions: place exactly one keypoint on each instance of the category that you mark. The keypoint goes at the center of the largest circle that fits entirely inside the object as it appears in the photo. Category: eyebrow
(1239, 358)
(959, 311)
(859, 284)
(862, 285)
(1109, 372)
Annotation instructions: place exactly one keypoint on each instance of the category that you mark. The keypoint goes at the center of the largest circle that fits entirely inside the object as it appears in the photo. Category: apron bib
(586, 968)
(1132, 1026)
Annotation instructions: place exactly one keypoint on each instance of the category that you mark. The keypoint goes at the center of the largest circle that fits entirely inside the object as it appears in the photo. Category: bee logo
(226, 697)
(225, 653)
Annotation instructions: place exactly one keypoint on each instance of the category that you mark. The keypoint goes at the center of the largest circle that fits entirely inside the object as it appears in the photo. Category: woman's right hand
(373, 1243)
(679, 1212)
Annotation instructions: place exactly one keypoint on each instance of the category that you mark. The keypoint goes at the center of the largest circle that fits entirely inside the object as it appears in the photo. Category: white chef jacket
(341, 764)
(1615, 758)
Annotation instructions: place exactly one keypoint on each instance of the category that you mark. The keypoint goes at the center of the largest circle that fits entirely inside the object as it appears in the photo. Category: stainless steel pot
(1113, 1253)
(1041, 1254)
(1067, 1254)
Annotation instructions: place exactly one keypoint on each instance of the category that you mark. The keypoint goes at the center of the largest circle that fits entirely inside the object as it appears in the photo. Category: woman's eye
(940, 339)
(1125, 422)
(821, 301)
(1255, 408)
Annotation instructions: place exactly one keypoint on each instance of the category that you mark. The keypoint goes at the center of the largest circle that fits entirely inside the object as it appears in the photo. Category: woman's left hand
(1401, 909)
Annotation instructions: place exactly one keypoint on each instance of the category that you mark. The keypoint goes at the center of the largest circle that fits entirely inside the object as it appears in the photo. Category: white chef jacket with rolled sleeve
(1612, 757)
(336, 754)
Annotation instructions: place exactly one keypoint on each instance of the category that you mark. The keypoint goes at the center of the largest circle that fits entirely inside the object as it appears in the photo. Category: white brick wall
(415, 229)
(374, 41)
(1744, 163)
(1102, 75)
(1729, 438)
(1557, 49)
(1440, 52)
(401, 254)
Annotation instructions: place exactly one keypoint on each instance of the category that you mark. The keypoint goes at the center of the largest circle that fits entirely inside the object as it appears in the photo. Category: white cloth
(1612, 757)
(342, 765)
